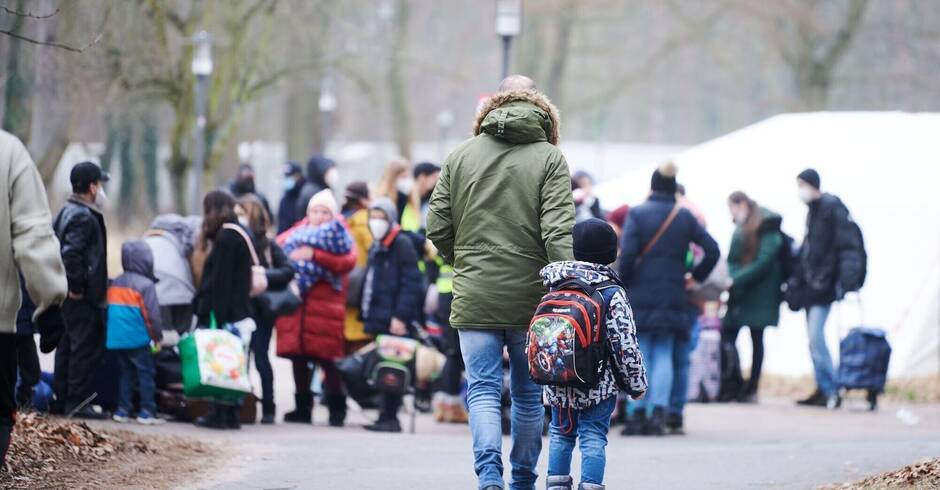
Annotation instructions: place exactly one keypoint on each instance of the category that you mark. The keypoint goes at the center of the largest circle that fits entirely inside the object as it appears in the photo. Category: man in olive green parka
(501, 211)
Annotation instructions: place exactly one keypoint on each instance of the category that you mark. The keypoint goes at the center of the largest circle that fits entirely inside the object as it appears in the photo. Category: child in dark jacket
(585, 414)
(134, 330)
(390, 292)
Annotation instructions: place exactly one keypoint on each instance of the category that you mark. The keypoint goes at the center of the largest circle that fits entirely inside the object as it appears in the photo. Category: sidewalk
(772, 445)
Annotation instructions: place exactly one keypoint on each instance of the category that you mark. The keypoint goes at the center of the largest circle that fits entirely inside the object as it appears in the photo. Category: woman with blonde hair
(396, 182)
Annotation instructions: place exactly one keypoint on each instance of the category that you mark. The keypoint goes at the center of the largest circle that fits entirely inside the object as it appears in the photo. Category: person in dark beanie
(321, 174)
(28, 249)
(287, 210)
(81, 230)
(826, 260)
(654, 247)
(244, 185)
(583, 416)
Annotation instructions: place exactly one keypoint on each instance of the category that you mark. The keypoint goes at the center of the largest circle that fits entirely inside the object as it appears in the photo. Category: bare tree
(811, 40)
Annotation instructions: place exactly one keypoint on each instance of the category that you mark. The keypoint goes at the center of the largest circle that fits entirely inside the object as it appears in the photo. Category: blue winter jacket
(656, 283)
(133, 309)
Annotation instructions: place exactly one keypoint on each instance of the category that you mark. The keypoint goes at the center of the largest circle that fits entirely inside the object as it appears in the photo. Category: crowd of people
(462, 252)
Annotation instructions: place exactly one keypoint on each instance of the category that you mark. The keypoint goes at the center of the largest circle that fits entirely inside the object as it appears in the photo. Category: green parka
(502, 210)
(755, 296)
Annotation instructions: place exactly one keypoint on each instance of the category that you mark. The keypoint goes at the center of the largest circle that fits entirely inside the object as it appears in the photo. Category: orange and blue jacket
(133, 309)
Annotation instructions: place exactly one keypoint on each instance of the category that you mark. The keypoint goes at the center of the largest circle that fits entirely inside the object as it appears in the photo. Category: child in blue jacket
(585, 414)
(134, 330)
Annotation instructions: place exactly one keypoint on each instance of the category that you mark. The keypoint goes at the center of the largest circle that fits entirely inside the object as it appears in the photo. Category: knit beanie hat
(386, 205)
(595, 242)
(664, 179)
(811, 177)
(324, 198)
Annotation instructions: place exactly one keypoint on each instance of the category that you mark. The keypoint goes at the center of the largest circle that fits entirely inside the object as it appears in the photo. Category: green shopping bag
(214, 364)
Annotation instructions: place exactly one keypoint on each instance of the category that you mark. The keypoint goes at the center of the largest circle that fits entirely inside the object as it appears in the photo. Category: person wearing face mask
(322, 174)
(292, 184)
(756, 272)
(244, 185)
(390, 293)
(832, 262)
(81, 231)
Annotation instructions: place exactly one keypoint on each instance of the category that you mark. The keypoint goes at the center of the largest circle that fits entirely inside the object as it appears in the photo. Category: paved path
(772, 445)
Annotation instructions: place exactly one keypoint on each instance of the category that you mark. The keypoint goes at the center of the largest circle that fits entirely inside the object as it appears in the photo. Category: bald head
(516, 82)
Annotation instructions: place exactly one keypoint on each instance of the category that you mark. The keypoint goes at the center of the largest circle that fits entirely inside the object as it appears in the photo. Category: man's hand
(397, 327)
(51, 326)
(76, 296)
(302, 254)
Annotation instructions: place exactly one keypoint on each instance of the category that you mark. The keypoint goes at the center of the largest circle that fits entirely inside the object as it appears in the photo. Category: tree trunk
(149, 140)
(16, 115)
(401, 115)
(559, 61)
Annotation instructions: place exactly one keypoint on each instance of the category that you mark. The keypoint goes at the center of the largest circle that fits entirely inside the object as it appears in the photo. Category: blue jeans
(822, 362)
(681, 352)
(136, 366)
(483, 356)
(589, 426)
(657, 353)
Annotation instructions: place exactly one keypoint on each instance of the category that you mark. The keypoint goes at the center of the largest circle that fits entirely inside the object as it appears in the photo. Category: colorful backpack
(567, 342)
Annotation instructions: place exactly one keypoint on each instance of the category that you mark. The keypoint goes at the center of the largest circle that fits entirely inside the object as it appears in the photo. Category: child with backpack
(135, 330)
(582, 346)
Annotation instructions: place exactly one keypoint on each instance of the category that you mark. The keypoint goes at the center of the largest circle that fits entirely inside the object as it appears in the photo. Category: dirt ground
(52, 453)
(922, 475)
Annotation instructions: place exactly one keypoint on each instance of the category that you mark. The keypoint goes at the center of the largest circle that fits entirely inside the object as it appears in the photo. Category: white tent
(886, 168)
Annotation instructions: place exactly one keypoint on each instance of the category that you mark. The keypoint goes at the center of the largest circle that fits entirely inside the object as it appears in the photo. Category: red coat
(316, 329)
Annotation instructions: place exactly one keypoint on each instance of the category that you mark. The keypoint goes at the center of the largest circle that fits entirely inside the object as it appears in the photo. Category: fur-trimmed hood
(519, 116)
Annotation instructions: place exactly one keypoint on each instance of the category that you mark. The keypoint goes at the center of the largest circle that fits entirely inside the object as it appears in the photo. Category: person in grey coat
(172, 237)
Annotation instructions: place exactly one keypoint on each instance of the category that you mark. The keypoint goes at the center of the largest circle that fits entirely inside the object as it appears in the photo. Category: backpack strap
(251, 246)
(659, 233)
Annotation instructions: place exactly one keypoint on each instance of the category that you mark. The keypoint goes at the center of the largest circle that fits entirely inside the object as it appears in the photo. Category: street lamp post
(327, 105)
(508, 25)
(202, 69)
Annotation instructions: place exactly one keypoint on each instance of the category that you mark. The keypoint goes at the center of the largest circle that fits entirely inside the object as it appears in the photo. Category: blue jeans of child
(657, 353)
(137, 367)
(822, 362)
(483, 356)
(681, 352)
(587, 427)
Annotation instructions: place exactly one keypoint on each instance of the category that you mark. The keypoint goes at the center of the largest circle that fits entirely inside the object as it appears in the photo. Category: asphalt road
(770, 445)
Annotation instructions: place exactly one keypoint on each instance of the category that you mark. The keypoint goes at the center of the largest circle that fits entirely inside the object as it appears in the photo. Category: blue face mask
(289, 184)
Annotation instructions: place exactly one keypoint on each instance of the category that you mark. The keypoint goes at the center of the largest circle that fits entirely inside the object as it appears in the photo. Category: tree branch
(52, 44)
(28, 14)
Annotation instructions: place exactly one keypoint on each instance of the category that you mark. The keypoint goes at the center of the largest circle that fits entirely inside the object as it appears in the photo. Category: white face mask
(331, 178)
(101, 199)
(806, 194)
(243, 221)
(378, 227)
(405, 185)
(740, 217)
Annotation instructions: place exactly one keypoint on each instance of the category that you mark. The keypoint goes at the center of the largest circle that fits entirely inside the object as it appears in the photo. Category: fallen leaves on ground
(922, 475)
(57, 453)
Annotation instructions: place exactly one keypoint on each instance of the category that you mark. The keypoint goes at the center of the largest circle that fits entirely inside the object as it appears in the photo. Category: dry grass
(925, 389)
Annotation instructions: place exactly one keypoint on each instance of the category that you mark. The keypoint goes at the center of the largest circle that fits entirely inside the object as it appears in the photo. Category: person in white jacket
(28, 247)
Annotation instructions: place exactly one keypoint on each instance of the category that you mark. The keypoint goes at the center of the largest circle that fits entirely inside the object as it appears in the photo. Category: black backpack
(853, 259)
(567, 341)
(789, 257)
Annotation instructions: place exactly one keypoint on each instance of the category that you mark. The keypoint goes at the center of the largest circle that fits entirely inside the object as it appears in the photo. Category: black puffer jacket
(832, 259)
(83, 237)
(656, 285)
